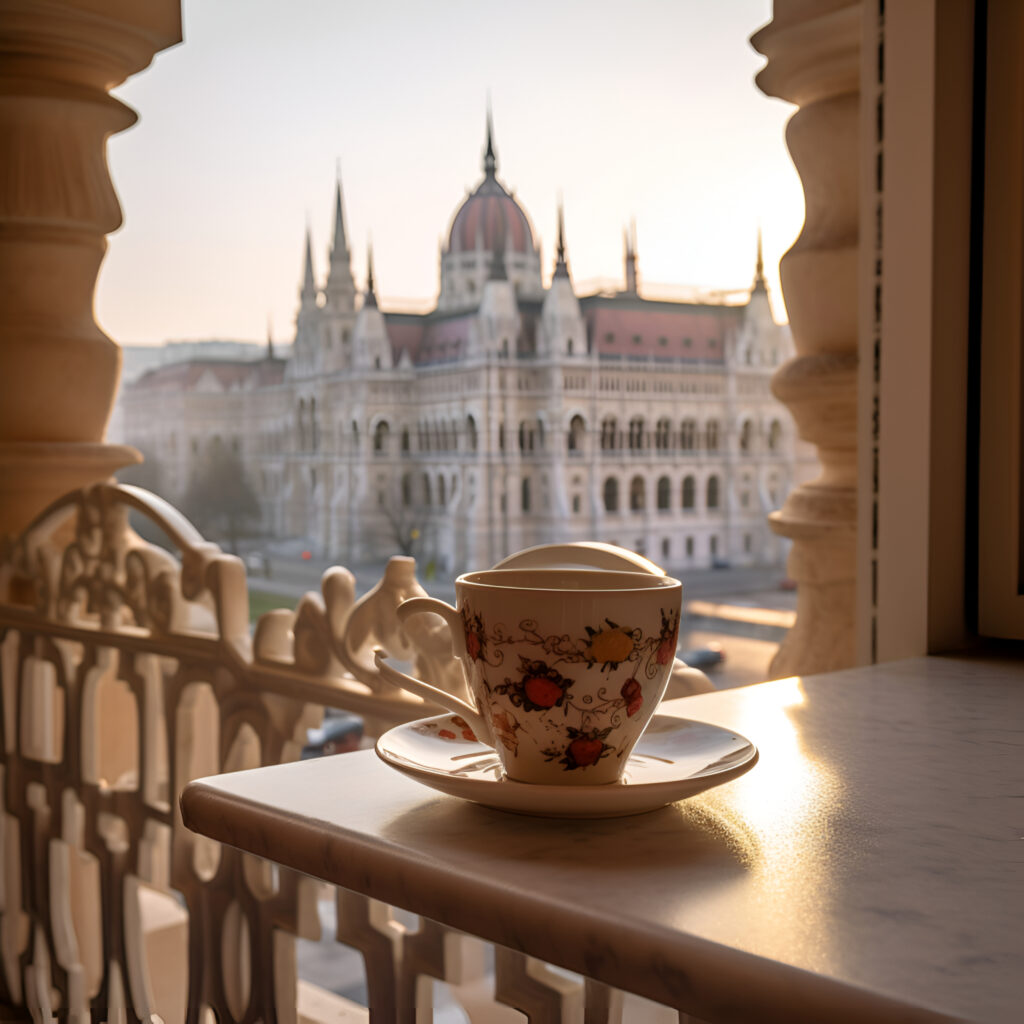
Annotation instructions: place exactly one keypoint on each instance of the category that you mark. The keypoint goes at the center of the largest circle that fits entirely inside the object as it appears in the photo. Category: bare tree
(401, 524)
(219, 496)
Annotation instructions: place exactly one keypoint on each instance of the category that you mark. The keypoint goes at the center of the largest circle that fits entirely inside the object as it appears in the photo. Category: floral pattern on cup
(454, 727)
(585, 747)
(578, 722)
(539, 687)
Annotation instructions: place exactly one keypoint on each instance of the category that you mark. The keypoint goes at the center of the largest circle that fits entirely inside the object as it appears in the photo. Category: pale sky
(644, 109)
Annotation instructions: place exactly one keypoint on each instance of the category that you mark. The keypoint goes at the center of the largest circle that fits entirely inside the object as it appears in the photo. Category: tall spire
(270, 337)
(561, 266)
(630, 239)
(490, 159)
(371, 296)
(759, 281)
(308, 292)
(339, 247)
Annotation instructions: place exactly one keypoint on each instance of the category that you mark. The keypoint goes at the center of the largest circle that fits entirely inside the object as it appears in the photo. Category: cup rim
(540, 580)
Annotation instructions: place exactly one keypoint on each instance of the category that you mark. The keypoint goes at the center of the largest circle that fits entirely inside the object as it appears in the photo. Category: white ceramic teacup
(565, 666)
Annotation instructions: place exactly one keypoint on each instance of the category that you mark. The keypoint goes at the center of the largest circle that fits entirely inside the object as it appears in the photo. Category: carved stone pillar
(813, 52)
(58, 370)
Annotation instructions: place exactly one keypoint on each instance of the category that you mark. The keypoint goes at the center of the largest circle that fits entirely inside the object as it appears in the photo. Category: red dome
(494, 214)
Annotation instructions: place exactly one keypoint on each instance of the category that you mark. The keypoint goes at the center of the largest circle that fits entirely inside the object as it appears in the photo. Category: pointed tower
(562, 331)
(270, 337)
(371, 346)
(340, 289)
(305, 359)
(760, 341)
(561, 264)
(490, 157)
(629, 238)
(370, 299)
(759, 281)
(339, 310)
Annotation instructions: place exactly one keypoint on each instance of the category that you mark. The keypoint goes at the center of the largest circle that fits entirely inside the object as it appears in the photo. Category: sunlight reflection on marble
(785, 807)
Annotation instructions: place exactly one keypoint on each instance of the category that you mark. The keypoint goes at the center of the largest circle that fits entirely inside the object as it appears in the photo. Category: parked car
(704, 657)
(339, 734)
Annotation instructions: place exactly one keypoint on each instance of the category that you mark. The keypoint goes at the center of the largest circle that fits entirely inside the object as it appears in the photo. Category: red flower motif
(446, 734)
(633, 696)
(473, 645)
(543, 692)
(540, 687)
(583, 751)
(668, 639)
(667, 648)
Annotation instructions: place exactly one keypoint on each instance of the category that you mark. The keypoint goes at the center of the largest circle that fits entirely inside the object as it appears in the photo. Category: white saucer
(675, 759)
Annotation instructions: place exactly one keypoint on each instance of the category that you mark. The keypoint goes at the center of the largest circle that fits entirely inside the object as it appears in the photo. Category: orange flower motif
(611, 646)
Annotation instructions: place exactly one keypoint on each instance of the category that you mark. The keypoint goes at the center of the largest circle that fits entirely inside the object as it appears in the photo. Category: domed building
(512, 414)
(490, 221)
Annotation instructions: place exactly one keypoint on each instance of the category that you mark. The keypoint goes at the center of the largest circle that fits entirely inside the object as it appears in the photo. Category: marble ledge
(868, 867)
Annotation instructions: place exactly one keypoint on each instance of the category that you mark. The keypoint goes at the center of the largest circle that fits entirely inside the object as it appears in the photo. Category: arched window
(637, 494)
(454, 435)
(712, 496)
(525, 494)
(525, 437)
(471, 436)
(380, 438)
(407, 490)
(746, 436)
(540, 435)
(775, 436)
(314, 426)
(405, 439)
(611, 495)
(689, 492)
(664, 498)
(609, 434)
(577, 432)
(426, 490)
(501, 436)
(440, 492)
(711, 436)
(713, 544)
(300, 425)
(636, 433)
(688, 435)
(663, 434)
(355, 436)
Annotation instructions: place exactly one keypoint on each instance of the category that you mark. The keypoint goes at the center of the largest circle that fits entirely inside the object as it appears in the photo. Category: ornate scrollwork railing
(129, 669)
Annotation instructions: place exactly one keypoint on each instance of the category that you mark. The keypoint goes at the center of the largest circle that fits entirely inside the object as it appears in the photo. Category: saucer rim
(618, 799)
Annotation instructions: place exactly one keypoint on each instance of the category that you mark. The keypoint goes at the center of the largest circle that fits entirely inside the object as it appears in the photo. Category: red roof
(488, 216)
(683, 332)
(230, 373)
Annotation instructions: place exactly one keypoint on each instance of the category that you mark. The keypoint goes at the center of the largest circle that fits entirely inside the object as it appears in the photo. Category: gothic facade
(512, 414)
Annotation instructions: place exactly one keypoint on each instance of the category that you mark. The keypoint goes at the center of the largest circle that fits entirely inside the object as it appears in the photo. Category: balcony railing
(128, 670)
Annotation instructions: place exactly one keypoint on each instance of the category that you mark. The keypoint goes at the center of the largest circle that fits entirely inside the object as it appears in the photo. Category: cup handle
(415, 606)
